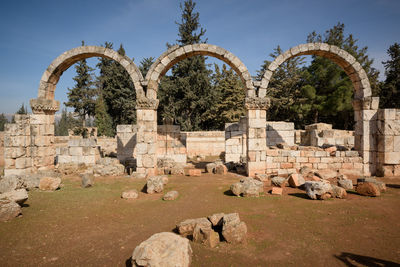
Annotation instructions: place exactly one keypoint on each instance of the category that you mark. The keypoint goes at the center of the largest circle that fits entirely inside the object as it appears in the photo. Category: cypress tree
(82, 97)
(390, 94)
(3, 120)
(103, 120)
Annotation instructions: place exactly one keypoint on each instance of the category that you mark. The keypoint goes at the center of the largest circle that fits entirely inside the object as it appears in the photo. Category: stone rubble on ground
(318, 190)
(163, 249)
(279, 181)
(368, 189)
(9, 210)
(171, 195)
(276, 191)
(247, 187)
(296, 180)
(345, 183)
(87, 180)
(130, 194)
(155, 184)
(18, 196)
(49, 183)
(233, 230)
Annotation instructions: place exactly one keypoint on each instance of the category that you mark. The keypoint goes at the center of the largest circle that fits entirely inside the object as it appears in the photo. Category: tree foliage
(66, 122)
(3, 121)
(103, 120)
(390, 92)
(22, 110)
(82, 97)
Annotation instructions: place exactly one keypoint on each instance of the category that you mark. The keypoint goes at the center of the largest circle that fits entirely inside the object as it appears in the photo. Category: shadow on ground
(351, 259)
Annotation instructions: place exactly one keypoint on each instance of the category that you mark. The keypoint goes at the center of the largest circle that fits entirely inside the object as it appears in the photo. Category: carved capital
(44, 106)
(257, 103)
(146, 103)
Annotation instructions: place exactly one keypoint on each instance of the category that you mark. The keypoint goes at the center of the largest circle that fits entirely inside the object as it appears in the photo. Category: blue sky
(33, 33)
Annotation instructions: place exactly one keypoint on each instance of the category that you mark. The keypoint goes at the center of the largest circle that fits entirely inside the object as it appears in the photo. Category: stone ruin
(29, 144)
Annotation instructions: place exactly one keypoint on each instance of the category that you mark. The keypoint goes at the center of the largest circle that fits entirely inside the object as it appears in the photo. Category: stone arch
(350, 65)
(53, 73)
(177, 53)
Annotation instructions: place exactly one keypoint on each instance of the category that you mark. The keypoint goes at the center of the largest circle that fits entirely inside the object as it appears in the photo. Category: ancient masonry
(29, 143)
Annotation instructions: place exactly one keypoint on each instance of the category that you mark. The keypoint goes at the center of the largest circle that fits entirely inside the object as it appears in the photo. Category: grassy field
(95, 227)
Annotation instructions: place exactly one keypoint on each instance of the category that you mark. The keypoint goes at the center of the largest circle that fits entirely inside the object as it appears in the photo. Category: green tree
(3, 120)
(145, 65)
(390, 94)
(103, 120)
(22, 110)
(228, 93)
(186, 95)
(66, 122)
(117, 90)
(333, 88)
(82, 97)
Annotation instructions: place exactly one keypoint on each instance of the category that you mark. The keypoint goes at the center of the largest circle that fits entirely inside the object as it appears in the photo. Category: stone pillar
(256, 134)
(365, 132)
(146, 146)
(43, 151)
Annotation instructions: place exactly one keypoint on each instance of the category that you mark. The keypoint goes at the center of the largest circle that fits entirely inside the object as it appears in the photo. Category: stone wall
(78, 151)
(388, 128)
(205, 143)
(107, 145)
(288, 161)
(235, 141)
(279, 132)
(319, 134)
(126, 141)
(1, 149)
(169, 144)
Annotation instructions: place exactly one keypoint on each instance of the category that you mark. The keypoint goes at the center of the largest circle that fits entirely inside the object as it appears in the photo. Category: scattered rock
(137, 175)
(9, 183)
(338, 192)
(233, 230)
(19, 196)
(49, 183)
(155, 184)
(171, 195)
(264, 178)
(216, 219)
(326, 174)
(130, 194)
(194, 172)
(178, 169)
(347, 184)
(296, 180)
(277, 191)
(368, 189)
(305, 171)
(221, 169)
(210, 167)
(381, 185)
(9, 210)
(278, 181)
(108, 166)
(317, 190)
(87, 180)
(186, 227)
(248, 187)
(315, 178)
(205, 235)
(163, 249)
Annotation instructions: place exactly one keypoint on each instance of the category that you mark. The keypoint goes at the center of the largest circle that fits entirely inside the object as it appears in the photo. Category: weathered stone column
(256, 134)
(146, 146)
(365, 132)
(43, 151)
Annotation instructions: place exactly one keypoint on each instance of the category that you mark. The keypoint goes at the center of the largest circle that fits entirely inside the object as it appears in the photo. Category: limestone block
(396, 146)
(76, 151)
(123, 128)
(256, 123)
(368, 115)
(149, 161)
(63, 159)
(392, 158)
(257, 144)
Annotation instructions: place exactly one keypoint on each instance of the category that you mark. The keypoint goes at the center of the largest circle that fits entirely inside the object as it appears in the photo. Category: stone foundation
(205, 143)
(78, 151)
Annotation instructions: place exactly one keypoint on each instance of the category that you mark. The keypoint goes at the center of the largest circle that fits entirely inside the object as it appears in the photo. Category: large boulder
(210, 167)
(368, 189)
(216, 219)
(171, 195)
(49, 183)
(186, 227)
(87, 180)
(130, 194)
(108, 166)
(9, 210)
(347, 184)
(19, 196)
(379, 184)
(233, 230)
(205, 235)
(248, 187)
(221, 169)
(163, 249)
(318, 190)
(338, 192)
(9, 183)
(155, 184)
(278, 181)
(264, 178)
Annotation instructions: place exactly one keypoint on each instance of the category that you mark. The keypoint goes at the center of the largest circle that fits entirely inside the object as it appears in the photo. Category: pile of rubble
(169, 166)
(104, 167)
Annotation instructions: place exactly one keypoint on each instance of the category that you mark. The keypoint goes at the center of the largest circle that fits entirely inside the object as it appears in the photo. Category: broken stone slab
(248, 187)
(210, 167)
(155, 184)
(317, 190)
(264, 178)
(338, 192)
(276, 191)
(368, 189)
(296, 180)
(87, 180)
(171, 195)
(381, 185)
(194, 172)
(49, 183)
(130, 194)
(8, 210)
(278, 181)
(326, 174)
(186, 227)
(221, 169)
(19, 196)
(233, 230)
(347, 184)
(237, 188)
(216, 219)
(163, 249)
(205, 235)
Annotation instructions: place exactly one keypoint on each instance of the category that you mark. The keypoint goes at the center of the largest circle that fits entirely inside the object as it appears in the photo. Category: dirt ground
(95, 227)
